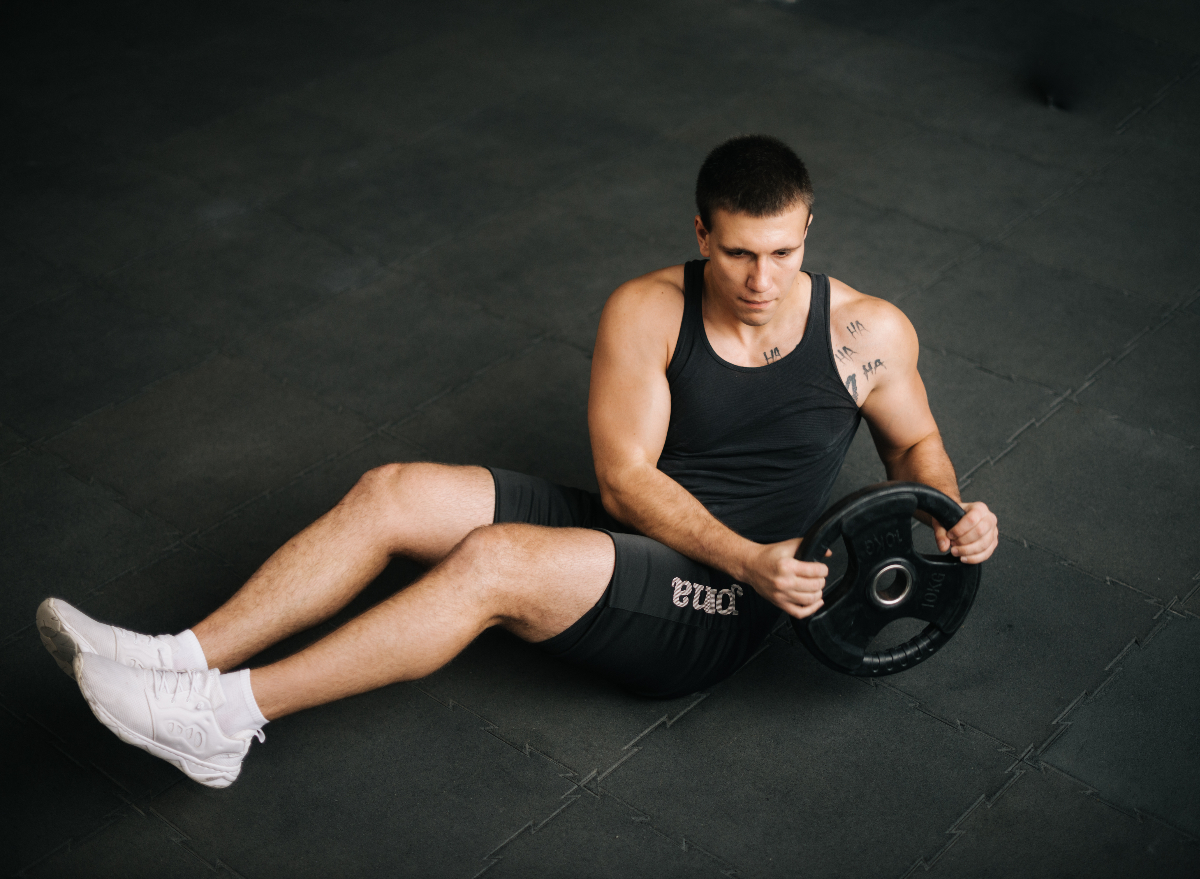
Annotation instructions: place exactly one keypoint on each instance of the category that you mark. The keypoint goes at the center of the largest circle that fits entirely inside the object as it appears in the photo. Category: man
(724, 395)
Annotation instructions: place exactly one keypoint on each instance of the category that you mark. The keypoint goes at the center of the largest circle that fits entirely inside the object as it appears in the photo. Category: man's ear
(808, 224)
(702, 236)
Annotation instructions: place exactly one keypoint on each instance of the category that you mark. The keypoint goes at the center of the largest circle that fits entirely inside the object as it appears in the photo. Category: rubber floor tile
(1048, 824)
(237, 276)
(92, 219)
(55, 368)
(950, 183)
(401, 96)
(649, 191)
(977, 411)
(531, 266)
(135, 845)
(1103, 494)
(39, 781)
(60, 536)
(576, 718)
(196, 445)
(1151, 250)
(163, 597)
(248, 537)
(870, 16)
(391, 782)
(264, 151)
(599, 836)
(458, 176)
(1071, 57)
(1152, 385)
(977, 414)
(1017, 317)
(1018, 662)
(1135, 740)
(385, 350)
(581, 332)
(829, 130)
(803, 784)
(879, 69)
(11, 442)
(527, 414)
(1011, 113)
(882, 253)
(29, 280)
(1174, 119)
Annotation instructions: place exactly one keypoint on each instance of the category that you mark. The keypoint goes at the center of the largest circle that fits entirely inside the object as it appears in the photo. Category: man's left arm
(897, 411)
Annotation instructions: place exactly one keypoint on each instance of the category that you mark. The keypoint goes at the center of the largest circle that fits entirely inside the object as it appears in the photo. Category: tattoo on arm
(852, 387)
(869, 368)
(771, 356)
(856, 329)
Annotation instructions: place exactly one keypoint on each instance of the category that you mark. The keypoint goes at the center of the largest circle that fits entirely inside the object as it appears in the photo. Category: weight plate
(886, 579)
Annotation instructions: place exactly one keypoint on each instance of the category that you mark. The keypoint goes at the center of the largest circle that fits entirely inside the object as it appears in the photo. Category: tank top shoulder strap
(818, 325)
(692, 327)
(819, 305)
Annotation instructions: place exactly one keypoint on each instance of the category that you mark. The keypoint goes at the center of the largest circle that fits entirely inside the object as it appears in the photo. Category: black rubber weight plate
(886, 579)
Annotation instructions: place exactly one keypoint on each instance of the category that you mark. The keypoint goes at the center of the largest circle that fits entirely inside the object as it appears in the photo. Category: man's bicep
(629, 403)
(897, 408)
(898, 414)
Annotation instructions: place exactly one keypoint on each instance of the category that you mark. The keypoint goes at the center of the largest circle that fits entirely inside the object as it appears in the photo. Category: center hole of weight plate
(891, 585)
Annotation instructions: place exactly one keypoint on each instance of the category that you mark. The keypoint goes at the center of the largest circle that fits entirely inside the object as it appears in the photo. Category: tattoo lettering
(844, 355)
(852, 387)
(772, 355)
(869, 368)
(856, 329)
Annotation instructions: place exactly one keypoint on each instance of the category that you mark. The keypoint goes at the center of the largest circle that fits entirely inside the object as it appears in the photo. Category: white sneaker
(170, 714)
(67, 632)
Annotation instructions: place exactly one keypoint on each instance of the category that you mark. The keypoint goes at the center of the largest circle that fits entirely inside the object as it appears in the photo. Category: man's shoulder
(662, 288)
(868, 332)
(650, 305)
(640, 323)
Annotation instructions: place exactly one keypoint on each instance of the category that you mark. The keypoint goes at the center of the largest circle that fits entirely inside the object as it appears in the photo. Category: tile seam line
(653, 825)
(1128, 811)
(1014, 774)
(1159, 96)
(980, 243)
(1072, 393)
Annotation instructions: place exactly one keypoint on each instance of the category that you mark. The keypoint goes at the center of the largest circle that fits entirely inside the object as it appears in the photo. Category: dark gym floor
(248, 251)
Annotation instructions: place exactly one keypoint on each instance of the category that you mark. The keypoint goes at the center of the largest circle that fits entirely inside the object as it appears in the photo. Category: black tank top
(759, 446)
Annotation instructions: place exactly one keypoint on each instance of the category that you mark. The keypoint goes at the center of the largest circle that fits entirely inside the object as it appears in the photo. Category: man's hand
(974, 538)
(778, 576)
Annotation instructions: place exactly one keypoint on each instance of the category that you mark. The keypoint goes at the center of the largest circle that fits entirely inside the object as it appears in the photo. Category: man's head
(754, 174)
(754, 200)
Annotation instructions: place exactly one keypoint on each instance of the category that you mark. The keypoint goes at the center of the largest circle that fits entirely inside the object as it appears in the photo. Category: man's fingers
(801, 611)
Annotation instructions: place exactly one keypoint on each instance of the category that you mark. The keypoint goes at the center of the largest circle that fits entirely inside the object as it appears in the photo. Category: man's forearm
(661, 508)
(925, 462)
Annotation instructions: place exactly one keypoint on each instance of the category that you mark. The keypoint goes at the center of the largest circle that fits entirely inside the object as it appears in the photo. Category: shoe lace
(180, 685)
(187, 685)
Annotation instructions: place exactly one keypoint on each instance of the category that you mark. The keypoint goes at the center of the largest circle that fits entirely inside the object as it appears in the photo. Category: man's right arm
(629, 409)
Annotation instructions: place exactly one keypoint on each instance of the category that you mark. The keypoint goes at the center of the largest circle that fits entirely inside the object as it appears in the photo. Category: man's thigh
(666, 625)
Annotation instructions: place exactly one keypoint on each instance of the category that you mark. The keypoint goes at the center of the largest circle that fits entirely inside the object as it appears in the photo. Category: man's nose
(759, 280)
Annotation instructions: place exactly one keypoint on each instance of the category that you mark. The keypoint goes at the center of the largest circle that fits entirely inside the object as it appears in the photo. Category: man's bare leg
(421, 511)
(533, 581)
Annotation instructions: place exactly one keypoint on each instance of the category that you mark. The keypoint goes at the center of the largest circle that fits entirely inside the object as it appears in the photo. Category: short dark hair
(753, 174)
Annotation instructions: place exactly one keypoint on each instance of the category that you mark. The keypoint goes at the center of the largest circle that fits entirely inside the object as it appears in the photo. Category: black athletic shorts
(666, 625)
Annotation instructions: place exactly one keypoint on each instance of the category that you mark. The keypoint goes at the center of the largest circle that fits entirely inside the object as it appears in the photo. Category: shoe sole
(58, 639)
(220, 776)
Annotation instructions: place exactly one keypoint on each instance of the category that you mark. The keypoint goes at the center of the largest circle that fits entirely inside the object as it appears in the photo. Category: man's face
(754, 261)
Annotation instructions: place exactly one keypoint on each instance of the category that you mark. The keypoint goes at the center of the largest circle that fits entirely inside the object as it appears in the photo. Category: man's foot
(170, 714)
(67, 632)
